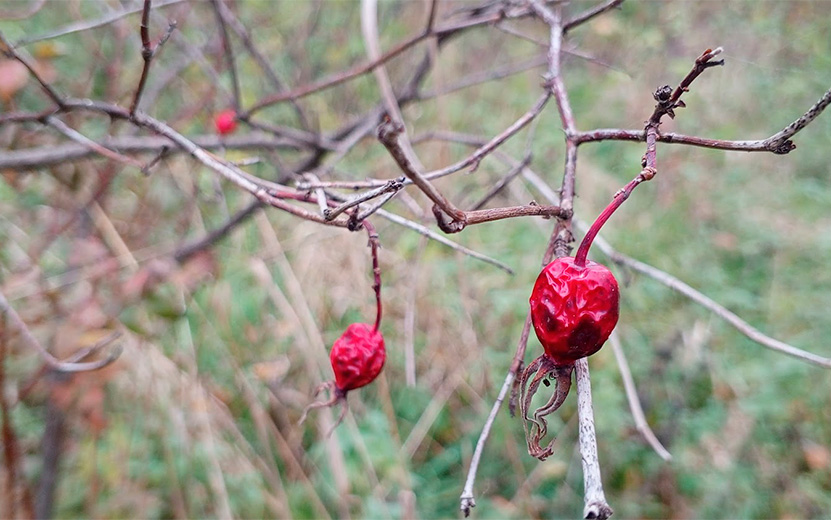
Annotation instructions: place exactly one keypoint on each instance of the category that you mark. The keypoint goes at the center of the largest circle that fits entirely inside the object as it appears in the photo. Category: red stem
(620, 198)
(373, 244)
(376, 271)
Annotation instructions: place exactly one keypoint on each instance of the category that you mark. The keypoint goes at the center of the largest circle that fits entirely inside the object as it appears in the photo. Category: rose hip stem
(376, 270)
(620, 197)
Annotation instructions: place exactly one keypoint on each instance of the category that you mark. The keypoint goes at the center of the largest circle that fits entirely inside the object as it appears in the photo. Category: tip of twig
(468, 503)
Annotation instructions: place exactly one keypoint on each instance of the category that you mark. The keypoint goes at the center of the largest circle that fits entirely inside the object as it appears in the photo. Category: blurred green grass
(748, 428)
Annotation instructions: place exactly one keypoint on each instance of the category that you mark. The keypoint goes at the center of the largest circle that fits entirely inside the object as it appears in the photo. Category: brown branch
(388, 133)
(11, 448)
(533, 209)
(258, 56)
(590, 14)
(147, 52)
(229, 54)
(97, 148)
(333, 80)
(363, 68)
(50, 360)
(51, 155)
(11, 52)
(474, 158)
(502, 183)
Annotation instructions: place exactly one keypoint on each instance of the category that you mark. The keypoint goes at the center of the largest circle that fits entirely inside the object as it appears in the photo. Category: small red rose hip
(357, 357)
(574, 309)
(225, 122)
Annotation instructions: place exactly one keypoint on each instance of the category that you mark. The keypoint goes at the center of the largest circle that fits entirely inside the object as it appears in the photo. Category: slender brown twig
(228, 54)
(50, 360)
(148, 52)
(11, 52)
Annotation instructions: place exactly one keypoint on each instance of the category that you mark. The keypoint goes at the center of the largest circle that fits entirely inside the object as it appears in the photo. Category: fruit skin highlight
(574, 309)
(225, 122)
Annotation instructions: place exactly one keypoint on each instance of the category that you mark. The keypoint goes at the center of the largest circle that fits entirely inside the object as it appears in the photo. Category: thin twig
(590, 14)
(467, 500)
(634, 402)
(258, 56)
(10, 51)
(710, 304)
(90, 144)
(474, 158)
(490, 74)
(595, 499)
(85, 25)
(418, 228)
(50, 155)
(361, 69)
(229, 54)
(148, 52)
(390, 187)
(50, 360)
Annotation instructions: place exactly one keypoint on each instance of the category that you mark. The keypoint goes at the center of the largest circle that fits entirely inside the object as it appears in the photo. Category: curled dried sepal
(336, 396)
(541, 369)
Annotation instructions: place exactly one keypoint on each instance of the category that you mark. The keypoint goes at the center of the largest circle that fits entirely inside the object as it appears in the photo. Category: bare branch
(228, 54)
(710, 304)
(780, 143)
(474, 158)
(45, 156)
(50, 360)
(634, 402)
(10, 51)
(389, 133)
(590, 14)
(390, 187)
(595, 499)
(90, 144)
(358, 70)
(147, 52)
(85, 25)
(418, 228)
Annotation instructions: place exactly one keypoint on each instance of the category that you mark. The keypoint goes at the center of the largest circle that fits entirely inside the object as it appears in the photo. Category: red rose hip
(357, 357)
(225, 122)
(574, 309)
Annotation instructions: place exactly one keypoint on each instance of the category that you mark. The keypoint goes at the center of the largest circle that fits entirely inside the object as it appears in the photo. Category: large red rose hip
(574, 309)
(357, 356)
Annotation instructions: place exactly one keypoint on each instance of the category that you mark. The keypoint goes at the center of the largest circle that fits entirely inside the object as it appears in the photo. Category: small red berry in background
(225, 122)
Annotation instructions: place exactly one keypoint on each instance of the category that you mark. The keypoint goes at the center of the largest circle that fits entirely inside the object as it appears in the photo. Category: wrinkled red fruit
(574, 309)
(357, 356)
(225, 122)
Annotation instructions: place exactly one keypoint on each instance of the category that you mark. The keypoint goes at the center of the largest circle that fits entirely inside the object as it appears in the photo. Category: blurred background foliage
(198, 417)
